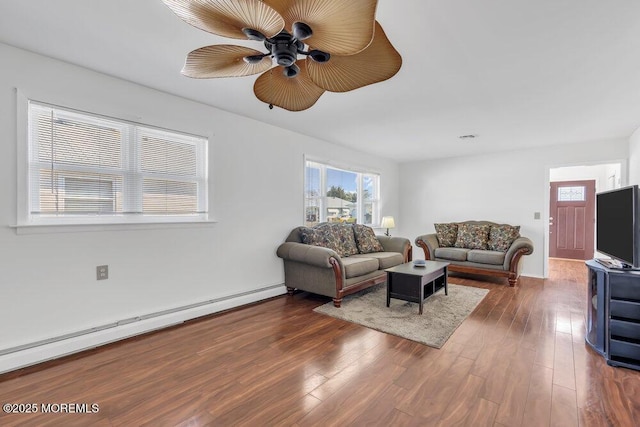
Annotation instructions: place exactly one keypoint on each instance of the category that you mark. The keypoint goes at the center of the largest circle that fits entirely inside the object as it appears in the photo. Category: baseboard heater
(133, 320)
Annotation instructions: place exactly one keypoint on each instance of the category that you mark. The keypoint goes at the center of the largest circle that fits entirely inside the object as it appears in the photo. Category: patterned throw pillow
(337, 237)
(346, 239)
(447, 234)
(319, 236)
(473, 236)
(308, 236)
(502, 236)
(366, 239)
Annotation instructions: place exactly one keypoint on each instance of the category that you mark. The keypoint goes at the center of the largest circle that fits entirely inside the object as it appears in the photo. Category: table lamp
(387, 222)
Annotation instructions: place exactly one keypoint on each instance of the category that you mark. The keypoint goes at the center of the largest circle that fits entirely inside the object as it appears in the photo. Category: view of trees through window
(340, 195)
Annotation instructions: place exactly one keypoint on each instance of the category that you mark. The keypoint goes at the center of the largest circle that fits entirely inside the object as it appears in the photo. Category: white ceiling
(516, 73)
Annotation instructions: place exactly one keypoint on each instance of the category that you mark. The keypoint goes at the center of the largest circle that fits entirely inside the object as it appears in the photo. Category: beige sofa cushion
(358, 266)
(385, 259)
(486, 257)
(453, 254)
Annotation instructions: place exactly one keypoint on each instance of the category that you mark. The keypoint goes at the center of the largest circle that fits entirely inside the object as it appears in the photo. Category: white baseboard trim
(54, 348)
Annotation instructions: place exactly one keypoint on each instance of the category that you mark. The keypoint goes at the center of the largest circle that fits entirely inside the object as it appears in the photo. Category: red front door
(572, 219)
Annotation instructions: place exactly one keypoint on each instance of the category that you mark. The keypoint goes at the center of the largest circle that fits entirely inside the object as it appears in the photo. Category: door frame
(624, 179)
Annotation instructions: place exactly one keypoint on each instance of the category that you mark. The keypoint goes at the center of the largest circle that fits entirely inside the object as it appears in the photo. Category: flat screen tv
(618, 226)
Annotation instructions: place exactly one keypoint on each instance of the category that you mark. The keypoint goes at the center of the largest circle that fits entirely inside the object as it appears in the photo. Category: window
(340, 195)
(571, 194)
(85, 168)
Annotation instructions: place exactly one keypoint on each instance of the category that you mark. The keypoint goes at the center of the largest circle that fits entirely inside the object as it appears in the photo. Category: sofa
(337, 259)
(477, 247)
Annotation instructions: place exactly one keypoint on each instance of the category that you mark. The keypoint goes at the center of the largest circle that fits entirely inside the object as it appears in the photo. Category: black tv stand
(614, 264)
(613, 314)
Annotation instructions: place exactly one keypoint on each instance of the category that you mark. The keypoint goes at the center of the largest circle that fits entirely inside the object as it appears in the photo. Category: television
(618, 227)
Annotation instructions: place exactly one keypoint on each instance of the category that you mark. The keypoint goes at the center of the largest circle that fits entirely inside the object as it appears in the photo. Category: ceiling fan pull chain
(271, 87)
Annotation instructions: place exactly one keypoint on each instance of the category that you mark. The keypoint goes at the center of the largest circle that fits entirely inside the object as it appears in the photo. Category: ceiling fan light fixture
(253, 59)
(285, 59)
(301, 31)
(254, 34)
(319, 56)
(291, 71)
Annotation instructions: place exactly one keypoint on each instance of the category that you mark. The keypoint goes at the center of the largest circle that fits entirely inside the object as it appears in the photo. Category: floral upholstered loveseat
(477, 247)
(335, 259)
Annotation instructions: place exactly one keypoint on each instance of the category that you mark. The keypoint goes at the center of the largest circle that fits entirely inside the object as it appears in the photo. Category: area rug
(442, 314)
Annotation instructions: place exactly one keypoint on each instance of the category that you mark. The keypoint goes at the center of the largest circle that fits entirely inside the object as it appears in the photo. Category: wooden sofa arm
(520, 246)
(428, 243)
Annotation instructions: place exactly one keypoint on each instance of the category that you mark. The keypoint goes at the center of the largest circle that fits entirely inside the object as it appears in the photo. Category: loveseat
(335, 259)
(477, 247)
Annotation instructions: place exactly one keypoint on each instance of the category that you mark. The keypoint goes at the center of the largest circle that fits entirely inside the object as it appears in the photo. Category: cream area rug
(441, 317)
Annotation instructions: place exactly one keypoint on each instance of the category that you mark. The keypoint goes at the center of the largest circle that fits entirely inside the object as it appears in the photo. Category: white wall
(634, 158)
(507, 187)
(607, 176)
(47, 280)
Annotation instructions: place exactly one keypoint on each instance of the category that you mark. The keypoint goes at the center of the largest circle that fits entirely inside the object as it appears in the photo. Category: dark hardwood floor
(518, 360)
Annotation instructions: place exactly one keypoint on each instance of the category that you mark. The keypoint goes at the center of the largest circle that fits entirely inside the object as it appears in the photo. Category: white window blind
(83, 165)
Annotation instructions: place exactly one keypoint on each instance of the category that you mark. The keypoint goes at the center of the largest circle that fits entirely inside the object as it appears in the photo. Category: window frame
(322, 165)
(25, 220)
(571, 193)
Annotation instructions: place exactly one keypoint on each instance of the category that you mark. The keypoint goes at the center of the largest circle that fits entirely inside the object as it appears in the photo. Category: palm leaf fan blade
(339, 27)
(378, 62)
(293, 94)
(223, 61)
(227, 18)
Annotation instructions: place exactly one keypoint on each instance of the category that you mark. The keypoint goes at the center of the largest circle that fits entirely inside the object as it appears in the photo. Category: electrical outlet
(102, 272)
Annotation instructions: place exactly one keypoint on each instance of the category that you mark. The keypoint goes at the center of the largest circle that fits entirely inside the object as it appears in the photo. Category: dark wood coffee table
(411, 283)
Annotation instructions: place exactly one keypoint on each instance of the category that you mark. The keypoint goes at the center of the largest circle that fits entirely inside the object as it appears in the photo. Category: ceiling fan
(341, 44)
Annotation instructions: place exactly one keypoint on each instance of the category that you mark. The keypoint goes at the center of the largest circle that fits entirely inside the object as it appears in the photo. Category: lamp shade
(387, 222)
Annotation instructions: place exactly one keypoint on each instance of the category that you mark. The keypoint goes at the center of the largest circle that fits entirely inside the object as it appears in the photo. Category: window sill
(160, 224)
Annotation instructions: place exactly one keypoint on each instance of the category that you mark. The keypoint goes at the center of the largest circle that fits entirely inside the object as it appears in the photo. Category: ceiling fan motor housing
(284, 48)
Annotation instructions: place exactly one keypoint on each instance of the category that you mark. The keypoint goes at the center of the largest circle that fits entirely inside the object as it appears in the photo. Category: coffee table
(411, 283)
